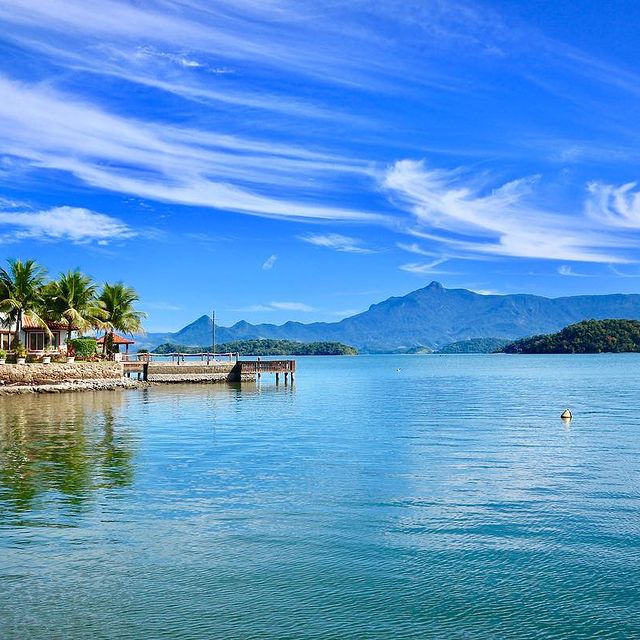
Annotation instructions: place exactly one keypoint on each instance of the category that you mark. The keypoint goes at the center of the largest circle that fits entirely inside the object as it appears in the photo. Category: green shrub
(83, 347)
(3, 354)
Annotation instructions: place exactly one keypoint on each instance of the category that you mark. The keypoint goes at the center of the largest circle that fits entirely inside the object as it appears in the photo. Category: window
(5, 341)
(55, 340)
(36, 341)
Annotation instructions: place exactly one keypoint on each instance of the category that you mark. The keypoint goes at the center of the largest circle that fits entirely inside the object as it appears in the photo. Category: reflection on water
(58, 450)
(380, 497)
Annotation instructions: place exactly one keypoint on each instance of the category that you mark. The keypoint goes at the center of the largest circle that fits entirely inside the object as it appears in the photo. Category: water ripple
(446, 500)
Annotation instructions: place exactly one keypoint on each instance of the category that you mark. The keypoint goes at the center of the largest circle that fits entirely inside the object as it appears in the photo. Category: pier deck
(258, 367)
(141, 367)
(207, 370)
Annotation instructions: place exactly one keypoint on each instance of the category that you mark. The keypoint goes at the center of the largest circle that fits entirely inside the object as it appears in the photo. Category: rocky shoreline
(104, 376)
(75, 385)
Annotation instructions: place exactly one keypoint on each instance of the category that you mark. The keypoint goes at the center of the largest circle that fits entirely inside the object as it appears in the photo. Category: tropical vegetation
(265, 348)
(117, 301)
(589, 336)
(73, 300)
(84, 347)
(22, 288)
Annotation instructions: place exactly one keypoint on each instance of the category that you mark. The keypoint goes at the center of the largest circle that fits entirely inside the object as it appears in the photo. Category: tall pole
(213, 333)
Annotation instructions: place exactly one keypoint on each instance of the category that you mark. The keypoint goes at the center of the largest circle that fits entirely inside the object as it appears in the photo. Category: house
(34, 337)
(118, 340)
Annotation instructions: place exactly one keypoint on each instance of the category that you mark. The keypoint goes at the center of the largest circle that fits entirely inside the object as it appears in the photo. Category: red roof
(117, 339)
(30, 324)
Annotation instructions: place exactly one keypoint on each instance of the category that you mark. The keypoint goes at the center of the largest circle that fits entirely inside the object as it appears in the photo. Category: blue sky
(301, 160)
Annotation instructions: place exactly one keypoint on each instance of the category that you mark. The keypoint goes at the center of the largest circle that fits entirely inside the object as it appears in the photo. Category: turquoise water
(380, 497)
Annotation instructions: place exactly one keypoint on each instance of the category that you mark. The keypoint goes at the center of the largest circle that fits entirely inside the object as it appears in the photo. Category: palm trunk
(69, 338)
(19, 323)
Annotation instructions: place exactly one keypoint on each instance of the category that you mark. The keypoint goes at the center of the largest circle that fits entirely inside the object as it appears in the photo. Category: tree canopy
(265, 348)
(22, 287)
(589, 336)
(73, 299)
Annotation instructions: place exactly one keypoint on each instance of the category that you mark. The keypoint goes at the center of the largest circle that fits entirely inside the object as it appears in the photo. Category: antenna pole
(213, 332)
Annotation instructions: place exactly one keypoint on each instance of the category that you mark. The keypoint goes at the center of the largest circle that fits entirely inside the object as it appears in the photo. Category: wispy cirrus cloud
(292, 306)
(488, 292)
(269, 263)
(414, 247)
(181, 59)
(614, 205)
(462, 211)
(337, 242)
(425, 268)
(181, 153)
(622, 274)
(164, 162)
(279, 306)
(568, 270)
(73, 224)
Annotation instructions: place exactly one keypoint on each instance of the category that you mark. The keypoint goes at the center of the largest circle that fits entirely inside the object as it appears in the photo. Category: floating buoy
(566, 415)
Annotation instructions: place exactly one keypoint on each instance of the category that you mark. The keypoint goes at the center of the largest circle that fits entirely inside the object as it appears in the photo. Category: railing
(267, 366)
(177, 358)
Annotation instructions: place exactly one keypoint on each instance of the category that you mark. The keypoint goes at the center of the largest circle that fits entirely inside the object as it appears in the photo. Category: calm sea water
(380, 497)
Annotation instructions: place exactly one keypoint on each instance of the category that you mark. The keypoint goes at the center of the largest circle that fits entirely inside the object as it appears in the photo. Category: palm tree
(21, 293)
(74, 300)
(118, 303)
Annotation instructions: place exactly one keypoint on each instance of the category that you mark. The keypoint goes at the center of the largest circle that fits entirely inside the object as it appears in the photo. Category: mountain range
(431, 317)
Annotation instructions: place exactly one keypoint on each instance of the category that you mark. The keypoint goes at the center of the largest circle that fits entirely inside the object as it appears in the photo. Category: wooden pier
(205, 367)
(141, 367)
(258, 367)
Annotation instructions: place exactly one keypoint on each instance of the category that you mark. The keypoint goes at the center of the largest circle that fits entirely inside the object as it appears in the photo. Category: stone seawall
(44, 374)
(218, 372)
(55, 378)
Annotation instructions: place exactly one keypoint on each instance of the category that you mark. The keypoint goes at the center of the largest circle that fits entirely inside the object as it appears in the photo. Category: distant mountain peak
(432, 316)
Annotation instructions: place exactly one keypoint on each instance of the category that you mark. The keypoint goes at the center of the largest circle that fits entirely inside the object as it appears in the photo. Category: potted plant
(21, 353)
(71, 354)
(3, 356)
(46, 356)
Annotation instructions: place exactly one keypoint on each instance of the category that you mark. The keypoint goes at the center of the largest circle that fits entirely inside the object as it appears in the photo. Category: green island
(475, 345)
(266, 348)
(589, 336)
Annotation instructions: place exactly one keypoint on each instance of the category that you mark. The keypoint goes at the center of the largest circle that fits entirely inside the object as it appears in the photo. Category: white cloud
(337, 242)
(73, 224)
(461, 211)
(487, 292)
(614, 206)
(180, 59)
(567, 270)
(622, 274)
(166, 163)
(278, 306)
(414, 247)
(302, 40)
(422, 268)
(345, 313)
(292, 306)
(269, 262)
